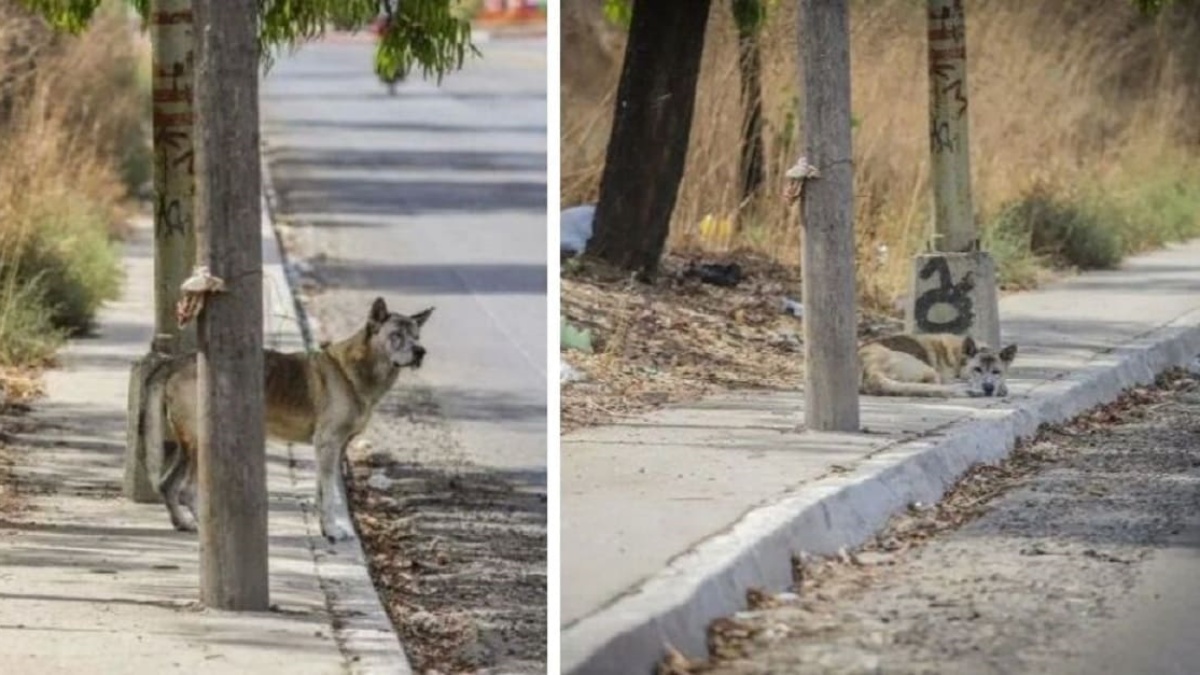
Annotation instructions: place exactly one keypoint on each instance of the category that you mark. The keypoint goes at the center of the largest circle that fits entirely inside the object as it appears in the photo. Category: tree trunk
(752, 164)
(831, 374)
(171, 39)
(651, 127)
(232, 467)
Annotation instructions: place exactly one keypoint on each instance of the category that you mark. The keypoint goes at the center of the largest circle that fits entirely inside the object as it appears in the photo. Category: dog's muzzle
(418, 355)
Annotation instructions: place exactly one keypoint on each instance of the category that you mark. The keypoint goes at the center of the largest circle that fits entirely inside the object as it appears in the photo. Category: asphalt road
(436, 196)
(1085, 563)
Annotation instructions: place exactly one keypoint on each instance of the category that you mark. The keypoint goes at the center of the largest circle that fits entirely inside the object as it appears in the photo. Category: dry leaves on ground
(18, 388)
(459, 561)
(679, 339)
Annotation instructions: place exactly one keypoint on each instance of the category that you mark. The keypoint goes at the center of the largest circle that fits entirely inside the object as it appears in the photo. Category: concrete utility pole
(232, 467)
(174, 232)
(827, 206)
(954, 287)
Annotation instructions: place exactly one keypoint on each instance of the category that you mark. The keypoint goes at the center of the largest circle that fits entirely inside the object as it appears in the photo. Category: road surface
(1086, 563)
(434, 197)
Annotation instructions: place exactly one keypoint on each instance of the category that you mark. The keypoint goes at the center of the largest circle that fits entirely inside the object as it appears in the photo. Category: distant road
(436, 196)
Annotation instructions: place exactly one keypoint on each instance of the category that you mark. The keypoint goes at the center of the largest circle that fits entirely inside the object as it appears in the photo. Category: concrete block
(140, 465)
(955, 293)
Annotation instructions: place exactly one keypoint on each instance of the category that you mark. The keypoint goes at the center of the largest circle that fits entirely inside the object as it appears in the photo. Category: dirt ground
(18, 389)
(680, 338)
(1016, 570)
(451, 551)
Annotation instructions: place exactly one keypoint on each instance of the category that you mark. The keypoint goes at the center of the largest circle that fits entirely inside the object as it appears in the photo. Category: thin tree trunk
(174, 166)
(232, 467)
(651, 127)
(831, 375)
(752, 163)
(172, 42)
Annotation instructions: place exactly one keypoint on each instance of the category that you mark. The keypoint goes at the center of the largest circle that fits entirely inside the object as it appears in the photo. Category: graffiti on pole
(947, 307)
(947, 71)
(172, 95)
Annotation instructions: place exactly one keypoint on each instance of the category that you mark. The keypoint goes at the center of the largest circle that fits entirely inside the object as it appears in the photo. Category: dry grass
(1071, 97)
(73, 134)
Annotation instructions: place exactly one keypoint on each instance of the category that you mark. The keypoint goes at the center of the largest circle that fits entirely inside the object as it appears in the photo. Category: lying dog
(934, 365)
(324, 398)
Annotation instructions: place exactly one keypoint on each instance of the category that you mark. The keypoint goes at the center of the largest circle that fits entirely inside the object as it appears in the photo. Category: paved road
(434, 197)
(1087, 565)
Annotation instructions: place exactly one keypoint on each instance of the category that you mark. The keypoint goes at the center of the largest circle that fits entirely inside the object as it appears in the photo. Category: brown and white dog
(934, 365)
(324, 398)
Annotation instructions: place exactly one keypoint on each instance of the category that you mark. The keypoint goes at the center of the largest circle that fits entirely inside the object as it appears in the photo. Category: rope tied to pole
(800, 172)
(195, 288)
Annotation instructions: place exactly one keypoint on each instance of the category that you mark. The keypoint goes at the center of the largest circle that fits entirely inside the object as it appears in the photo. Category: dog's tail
(878, 384)
(150, 408)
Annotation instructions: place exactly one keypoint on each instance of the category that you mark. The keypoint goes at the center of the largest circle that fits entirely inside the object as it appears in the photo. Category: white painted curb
(361, 627)
(676, 605)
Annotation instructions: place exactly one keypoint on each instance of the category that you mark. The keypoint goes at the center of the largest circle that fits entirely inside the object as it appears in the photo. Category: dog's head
(396, 335)
(985, 370)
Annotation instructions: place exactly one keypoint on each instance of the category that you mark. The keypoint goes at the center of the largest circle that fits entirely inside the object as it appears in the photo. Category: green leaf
(619, 12)
(425, 35)
(749, 15)
(68, 15)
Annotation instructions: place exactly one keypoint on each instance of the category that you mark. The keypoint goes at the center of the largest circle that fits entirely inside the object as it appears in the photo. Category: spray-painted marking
(940, 139)
(170, 217)
(173, 134)
(947, 295)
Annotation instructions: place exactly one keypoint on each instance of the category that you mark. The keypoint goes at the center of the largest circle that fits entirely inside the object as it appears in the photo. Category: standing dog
(926, 365)
(324, 398)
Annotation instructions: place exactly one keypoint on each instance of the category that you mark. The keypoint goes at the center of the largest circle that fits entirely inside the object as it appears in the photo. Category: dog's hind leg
(187, 492)
(331, 488)
(172, 486)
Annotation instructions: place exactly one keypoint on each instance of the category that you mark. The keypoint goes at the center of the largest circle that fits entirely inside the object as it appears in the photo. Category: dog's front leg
(331, 488)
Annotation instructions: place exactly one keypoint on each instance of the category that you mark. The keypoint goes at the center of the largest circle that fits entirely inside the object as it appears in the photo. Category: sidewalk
(93, 583)
(668, 518)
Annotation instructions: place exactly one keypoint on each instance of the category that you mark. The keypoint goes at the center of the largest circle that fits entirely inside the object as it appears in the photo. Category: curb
(363, 631)
(676, 605)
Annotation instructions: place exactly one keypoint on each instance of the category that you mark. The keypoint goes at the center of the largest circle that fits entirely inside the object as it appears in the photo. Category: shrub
(1063, 232)
(73, 135)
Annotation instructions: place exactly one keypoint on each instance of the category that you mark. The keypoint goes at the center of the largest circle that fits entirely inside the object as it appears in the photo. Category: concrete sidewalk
(93, 583)
(668, 518)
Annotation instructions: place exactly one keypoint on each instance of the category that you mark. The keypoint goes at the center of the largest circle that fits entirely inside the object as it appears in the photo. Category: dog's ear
(422, 316)
(969, 348)
(377, 317)
(1008, 353)
(379, 311)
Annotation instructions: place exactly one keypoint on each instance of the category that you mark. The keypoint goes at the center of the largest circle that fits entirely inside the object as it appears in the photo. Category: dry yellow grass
(72, 124)
(1067, 96)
